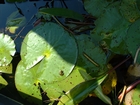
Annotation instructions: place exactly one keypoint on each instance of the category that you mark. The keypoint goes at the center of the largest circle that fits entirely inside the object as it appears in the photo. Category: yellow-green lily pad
(7, 49)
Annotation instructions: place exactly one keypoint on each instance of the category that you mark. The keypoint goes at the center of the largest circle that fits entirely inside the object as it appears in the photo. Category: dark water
(29, 9)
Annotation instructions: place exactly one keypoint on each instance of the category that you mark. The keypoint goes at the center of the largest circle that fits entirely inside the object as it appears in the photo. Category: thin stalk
(91, 60)
(23, 28)
(62, 25)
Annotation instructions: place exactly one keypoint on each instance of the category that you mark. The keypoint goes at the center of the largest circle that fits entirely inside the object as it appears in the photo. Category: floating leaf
(111, 29)
(80, 92)
(14, 22)
(129, 10)
(133, 39)
(86, 46)
(96, 7)
(7, 49)
(51, 45)
(6, 69)
(63, 12)
(3, 82)
(57, 89)
(28, 81)
(132, 97)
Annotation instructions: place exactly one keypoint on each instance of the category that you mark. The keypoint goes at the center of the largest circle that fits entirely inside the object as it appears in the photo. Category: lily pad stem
(62, 25)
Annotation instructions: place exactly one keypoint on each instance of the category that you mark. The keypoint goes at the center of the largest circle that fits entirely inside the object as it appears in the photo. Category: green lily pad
(96, 7)
(129, 10)
(3, 82)
(111, 29)
(6, 69)
(51, 44)
(28, 82)
(86, 46)
(135, 96)
(7, 49)
(133, 39)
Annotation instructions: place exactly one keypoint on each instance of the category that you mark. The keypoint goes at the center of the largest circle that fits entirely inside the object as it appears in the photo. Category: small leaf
(63, 12)
(103, 97)
(14, 22)
(3, 82)
(6, 69)
(7, 49)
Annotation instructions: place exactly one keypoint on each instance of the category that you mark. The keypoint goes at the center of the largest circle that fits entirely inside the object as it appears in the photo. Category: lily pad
(96, 7)
(6, 69)
(129, 10)
(51, 45)
(14, 22)
(3, 82)
(7, 49)
(86, 46)
(111, 29)
(28, 82)
(133, 39)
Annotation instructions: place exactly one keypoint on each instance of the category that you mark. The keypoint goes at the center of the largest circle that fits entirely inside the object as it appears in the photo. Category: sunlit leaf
(80, 92)
(51, 45)
(63, 12)
(27, 82)
(7, 49)
(132, 97)
(6, 69)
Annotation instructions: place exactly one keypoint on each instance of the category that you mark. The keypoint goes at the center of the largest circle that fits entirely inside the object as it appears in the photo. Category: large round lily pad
(29, 85)
(51, 45)
(7, 49)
